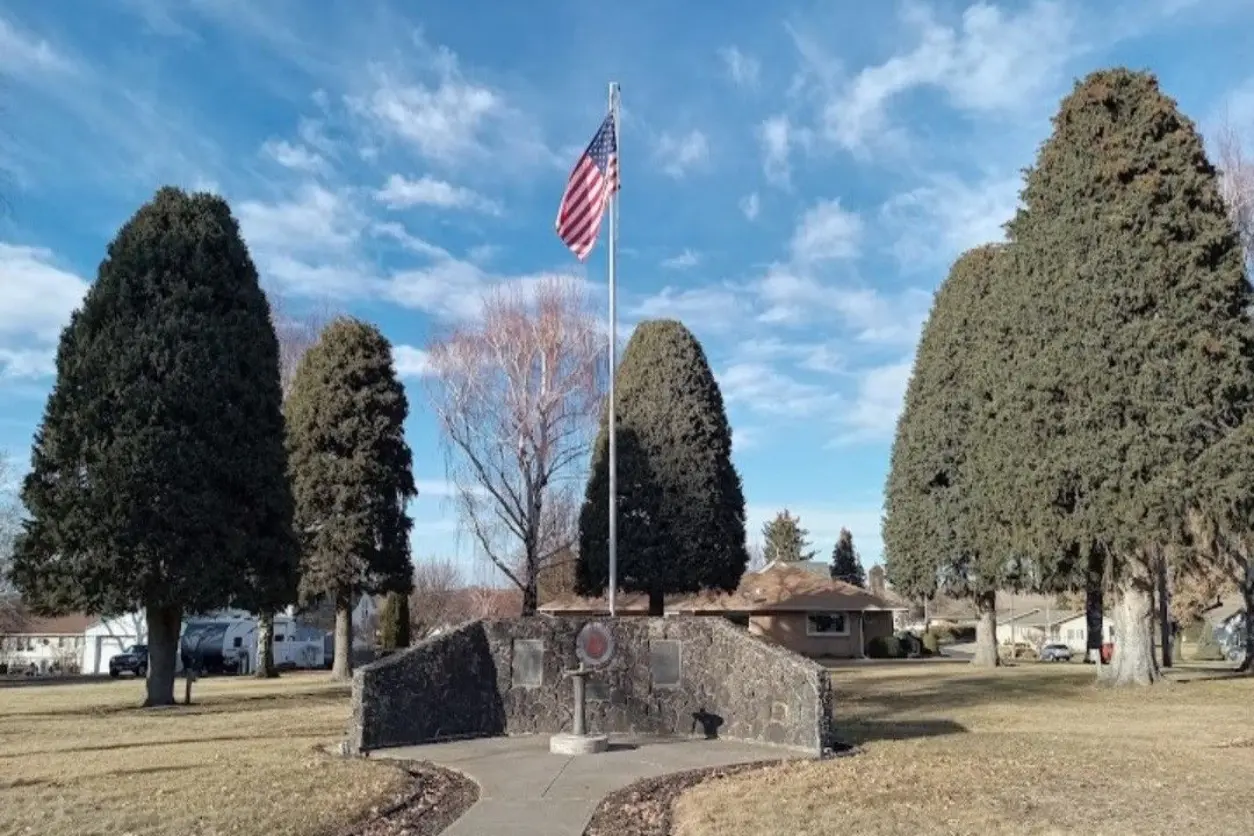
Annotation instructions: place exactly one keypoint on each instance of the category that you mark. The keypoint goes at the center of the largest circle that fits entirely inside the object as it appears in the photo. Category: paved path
(525, 791)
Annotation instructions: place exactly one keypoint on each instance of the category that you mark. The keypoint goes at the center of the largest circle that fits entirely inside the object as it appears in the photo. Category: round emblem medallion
(595, 644)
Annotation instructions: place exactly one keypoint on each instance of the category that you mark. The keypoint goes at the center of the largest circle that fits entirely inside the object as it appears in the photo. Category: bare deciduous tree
(1237, 184)
(12, 613)
(518, 394)
(433, 603)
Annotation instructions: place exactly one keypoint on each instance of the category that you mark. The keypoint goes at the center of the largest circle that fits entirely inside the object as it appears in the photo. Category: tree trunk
(342, 666)
(986, 631)
(1247, 596)
(1133, 662)
(1164, 615)
(530, 598)
(265, 647)
(1094, 613)
(657, 603)
(163, 650)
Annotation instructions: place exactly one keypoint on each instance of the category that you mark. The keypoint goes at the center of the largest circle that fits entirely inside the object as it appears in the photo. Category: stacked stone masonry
(688, 677)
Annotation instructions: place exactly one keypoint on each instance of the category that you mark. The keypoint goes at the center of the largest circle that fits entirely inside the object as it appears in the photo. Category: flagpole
(613, 440)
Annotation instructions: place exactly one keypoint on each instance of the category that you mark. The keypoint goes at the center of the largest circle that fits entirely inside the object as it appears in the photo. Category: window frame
(825, 634)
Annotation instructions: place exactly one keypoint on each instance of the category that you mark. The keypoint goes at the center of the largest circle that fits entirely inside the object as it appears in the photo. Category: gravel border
(645, 807)
(432, 799)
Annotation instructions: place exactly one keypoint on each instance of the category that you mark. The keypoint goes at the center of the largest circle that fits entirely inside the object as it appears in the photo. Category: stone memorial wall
(694, 676)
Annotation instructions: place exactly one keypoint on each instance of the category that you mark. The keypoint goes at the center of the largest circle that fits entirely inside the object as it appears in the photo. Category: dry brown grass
(81, 760)
(1031, 749)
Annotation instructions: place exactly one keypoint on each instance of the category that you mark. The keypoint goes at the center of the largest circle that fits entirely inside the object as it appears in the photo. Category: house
(1035, 626)
(45, 645)
(1074, 632)
(803, 609)
(791, 604)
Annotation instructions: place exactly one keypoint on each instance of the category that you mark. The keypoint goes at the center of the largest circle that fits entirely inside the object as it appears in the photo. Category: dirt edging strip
(431, 800)
(645, 807)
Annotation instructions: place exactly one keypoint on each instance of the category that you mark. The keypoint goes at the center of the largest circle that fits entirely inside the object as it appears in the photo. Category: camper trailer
(220, 642)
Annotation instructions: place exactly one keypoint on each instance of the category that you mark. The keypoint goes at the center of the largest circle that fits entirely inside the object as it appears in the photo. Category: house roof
(782, 587)
(1224, 610)
(1037, 617)
(66, 625)
(625, 603)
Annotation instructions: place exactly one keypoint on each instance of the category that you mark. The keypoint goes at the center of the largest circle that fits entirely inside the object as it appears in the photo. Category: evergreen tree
(785, 540)
(1133, 348)
(931, 539)
(351, 473)
(394, 622)
(681, 509)
(158, 470)
(846, 563)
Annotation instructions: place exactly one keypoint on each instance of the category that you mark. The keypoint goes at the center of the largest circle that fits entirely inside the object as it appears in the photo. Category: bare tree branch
(518, 395)
(12, 613)
(434, 602)
(1236, 184)
(296, 332)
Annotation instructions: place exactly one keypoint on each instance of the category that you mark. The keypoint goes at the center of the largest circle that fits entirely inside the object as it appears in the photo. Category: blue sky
(796, 178)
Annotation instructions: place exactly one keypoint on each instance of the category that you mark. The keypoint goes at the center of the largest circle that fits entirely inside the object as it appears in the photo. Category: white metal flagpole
(613, 440)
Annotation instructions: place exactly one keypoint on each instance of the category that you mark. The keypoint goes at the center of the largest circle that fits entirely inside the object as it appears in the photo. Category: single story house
(1074, 632)
(47, 645)
(790, 604)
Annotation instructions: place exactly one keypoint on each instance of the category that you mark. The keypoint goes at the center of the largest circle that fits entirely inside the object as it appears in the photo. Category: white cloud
(36, 297)
(411, 361)
(36, 300)
(827, 232)
(21, 54)
(27, 363)
(750, 205)
(314, 220)
(400, 193)
(873, 413)
(776, 136)
(296, 157)
(709, 308)
(683, 261)
(994, 61)
(677, 155)
(945, 217)
(767, 390)
(742, 69)
(450, 119)
(444, 121)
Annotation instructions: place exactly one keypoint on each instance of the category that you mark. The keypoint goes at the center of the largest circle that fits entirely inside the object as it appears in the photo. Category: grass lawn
(81, 759)
(1030, 749)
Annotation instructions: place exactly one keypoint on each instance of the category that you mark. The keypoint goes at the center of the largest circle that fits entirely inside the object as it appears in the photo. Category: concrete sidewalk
(525, 791)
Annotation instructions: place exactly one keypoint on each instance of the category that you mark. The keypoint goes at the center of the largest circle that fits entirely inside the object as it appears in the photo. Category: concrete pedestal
(578, 744)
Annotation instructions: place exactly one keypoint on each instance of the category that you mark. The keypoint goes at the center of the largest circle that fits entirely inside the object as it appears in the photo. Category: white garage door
(107, 647)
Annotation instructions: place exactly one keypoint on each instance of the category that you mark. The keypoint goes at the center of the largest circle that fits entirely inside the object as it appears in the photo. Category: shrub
(931, 643)
(885, 647)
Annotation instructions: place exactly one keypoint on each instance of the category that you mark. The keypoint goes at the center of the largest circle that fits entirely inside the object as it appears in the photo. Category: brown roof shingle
(74, 624)
(784, 588)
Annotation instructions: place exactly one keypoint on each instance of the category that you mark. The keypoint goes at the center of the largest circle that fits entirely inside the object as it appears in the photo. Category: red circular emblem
(594, 645)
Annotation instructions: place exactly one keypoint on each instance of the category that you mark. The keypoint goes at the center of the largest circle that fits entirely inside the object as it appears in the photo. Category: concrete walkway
(525, 791)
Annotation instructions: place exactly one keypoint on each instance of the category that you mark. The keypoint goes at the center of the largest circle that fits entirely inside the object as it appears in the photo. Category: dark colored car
(1055, 653)
(132, 660)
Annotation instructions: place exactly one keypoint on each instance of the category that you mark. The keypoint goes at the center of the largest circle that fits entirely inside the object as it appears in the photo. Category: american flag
(588, 190)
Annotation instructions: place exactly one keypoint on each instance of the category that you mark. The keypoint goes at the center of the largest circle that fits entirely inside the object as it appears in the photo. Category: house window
(279, 637)
(827, 624)
(239, 642)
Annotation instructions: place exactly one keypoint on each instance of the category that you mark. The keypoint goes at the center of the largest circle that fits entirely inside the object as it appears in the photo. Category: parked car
(132, 660)
(1055, 653)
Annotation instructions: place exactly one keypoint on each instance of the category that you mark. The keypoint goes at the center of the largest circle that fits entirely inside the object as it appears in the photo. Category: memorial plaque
(528, 665)
(664, 662)
(594, 645)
